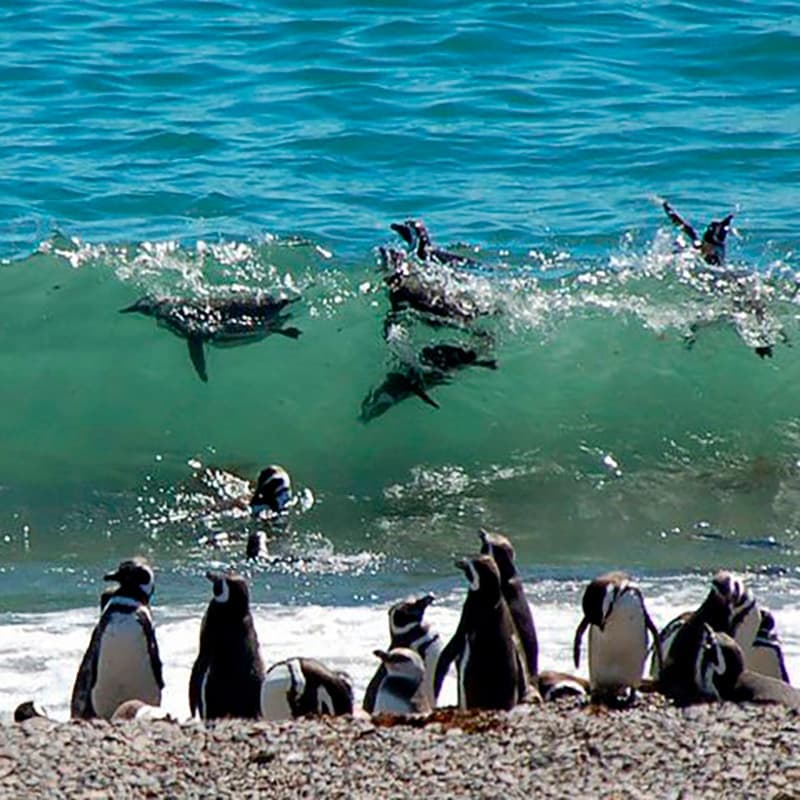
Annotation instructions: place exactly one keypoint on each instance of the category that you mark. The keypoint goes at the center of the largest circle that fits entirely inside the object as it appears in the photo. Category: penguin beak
(426, 600)
(462, 564)
(483, 533)
(382, 655)
(213, 576)
(111, 576)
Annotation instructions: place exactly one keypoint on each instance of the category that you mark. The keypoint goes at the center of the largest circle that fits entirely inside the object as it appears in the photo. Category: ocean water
(235, 147)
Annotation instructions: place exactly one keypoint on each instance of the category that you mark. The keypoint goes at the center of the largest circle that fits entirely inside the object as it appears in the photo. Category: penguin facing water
(228, 671)
(122, 661)
(618, 622)
(499, 547)
(402, 690)
(408, 630)
(766, 656)
(301, 687)
(491, 670)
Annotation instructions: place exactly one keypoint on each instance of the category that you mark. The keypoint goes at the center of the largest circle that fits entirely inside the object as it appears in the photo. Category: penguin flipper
(446, 658)
(195, 685)
(659, 654)
(198, 357)
(680, 222)
(371, 693)
(81, 706)
(576, 646)
(152, 647)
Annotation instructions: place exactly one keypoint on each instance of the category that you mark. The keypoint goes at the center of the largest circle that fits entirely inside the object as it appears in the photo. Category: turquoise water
(253, 146)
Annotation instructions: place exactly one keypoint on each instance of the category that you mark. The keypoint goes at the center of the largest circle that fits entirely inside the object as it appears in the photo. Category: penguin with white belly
(407, 629)
(122, 661)
(228, 671)
(491, 669)
(402, 690)
(302, 687)
(618, 622)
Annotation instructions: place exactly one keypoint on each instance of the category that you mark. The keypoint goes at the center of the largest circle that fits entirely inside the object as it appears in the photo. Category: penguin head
(712, 247)
(499, 547)
(767, 630)
(482, 574)
(147, 305)
(403, 662)
(136, 579)
(407, 614)
(229, 593)
(406, 231)
(273, 491)
(719, 664)
(728, 603)
(602, 594)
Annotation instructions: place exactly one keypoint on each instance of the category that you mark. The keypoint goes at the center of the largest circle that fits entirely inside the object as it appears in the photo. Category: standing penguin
(227, 674)
(408, 630)
(728, 608)
(491, 669)
(301, 687)
(122, 661)
(402, 690)
(614, 608)
(501, 550)
(766, 656)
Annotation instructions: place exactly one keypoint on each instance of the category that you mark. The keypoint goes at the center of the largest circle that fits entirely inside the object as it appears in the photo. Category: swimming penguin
(766, 656)
(400, 384)
(122, 661)
(220, 321)
(301, 687)
(711, 246)
(402, 690)
(449, 357)
(415, 234)
(273, 491)
(228, 672)
(618, 622)
(407, 630)
(728, 608)
(491, 669)
(499, 547)
(721, 675)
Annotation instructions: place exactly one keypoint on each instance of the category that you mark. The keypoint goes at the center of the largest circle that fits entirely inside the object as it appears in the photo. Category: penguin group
(728, 649)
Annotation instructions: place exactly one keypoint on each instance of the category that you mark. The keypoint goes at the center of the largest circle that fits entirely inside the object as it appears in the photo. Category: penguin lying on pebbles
(301, 687)
(122, 661)
(137, 711)
(618, 622)
(30, 709)
(491, 669)
(402, 689)
(408, 630)
(728, 608)
(228, 671)
(720, 674)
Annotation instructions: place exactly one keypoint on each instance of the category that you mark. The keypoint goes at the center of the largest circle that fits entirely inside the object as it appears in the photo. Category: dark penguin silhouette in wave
(223, 322)
(435, 367)
(711, 245)
(415, 234)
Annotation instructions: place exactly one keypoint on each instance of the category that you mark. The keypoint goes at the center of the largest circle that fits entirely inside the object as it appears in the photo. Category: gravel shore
(553, 750)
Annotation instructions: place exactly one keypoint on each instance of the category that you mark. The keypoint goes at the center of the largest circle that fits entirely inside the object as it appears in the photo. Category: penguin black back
(499, 547)
(301, 687)
(491, 670)
(227, 674)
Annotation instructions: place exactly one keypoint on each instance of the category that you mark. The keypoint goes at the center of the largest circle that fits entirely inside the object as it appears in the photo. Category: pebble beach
(559, 749)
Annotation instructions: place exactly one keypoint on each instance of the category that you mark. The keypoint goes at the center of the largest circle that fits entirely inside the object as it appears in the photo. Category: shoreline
(557, 749)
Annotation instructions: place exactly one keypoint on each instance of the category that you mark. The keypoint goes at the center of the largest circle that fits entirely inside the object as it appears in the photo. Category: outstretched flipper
(198, 356)
(681, 223)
